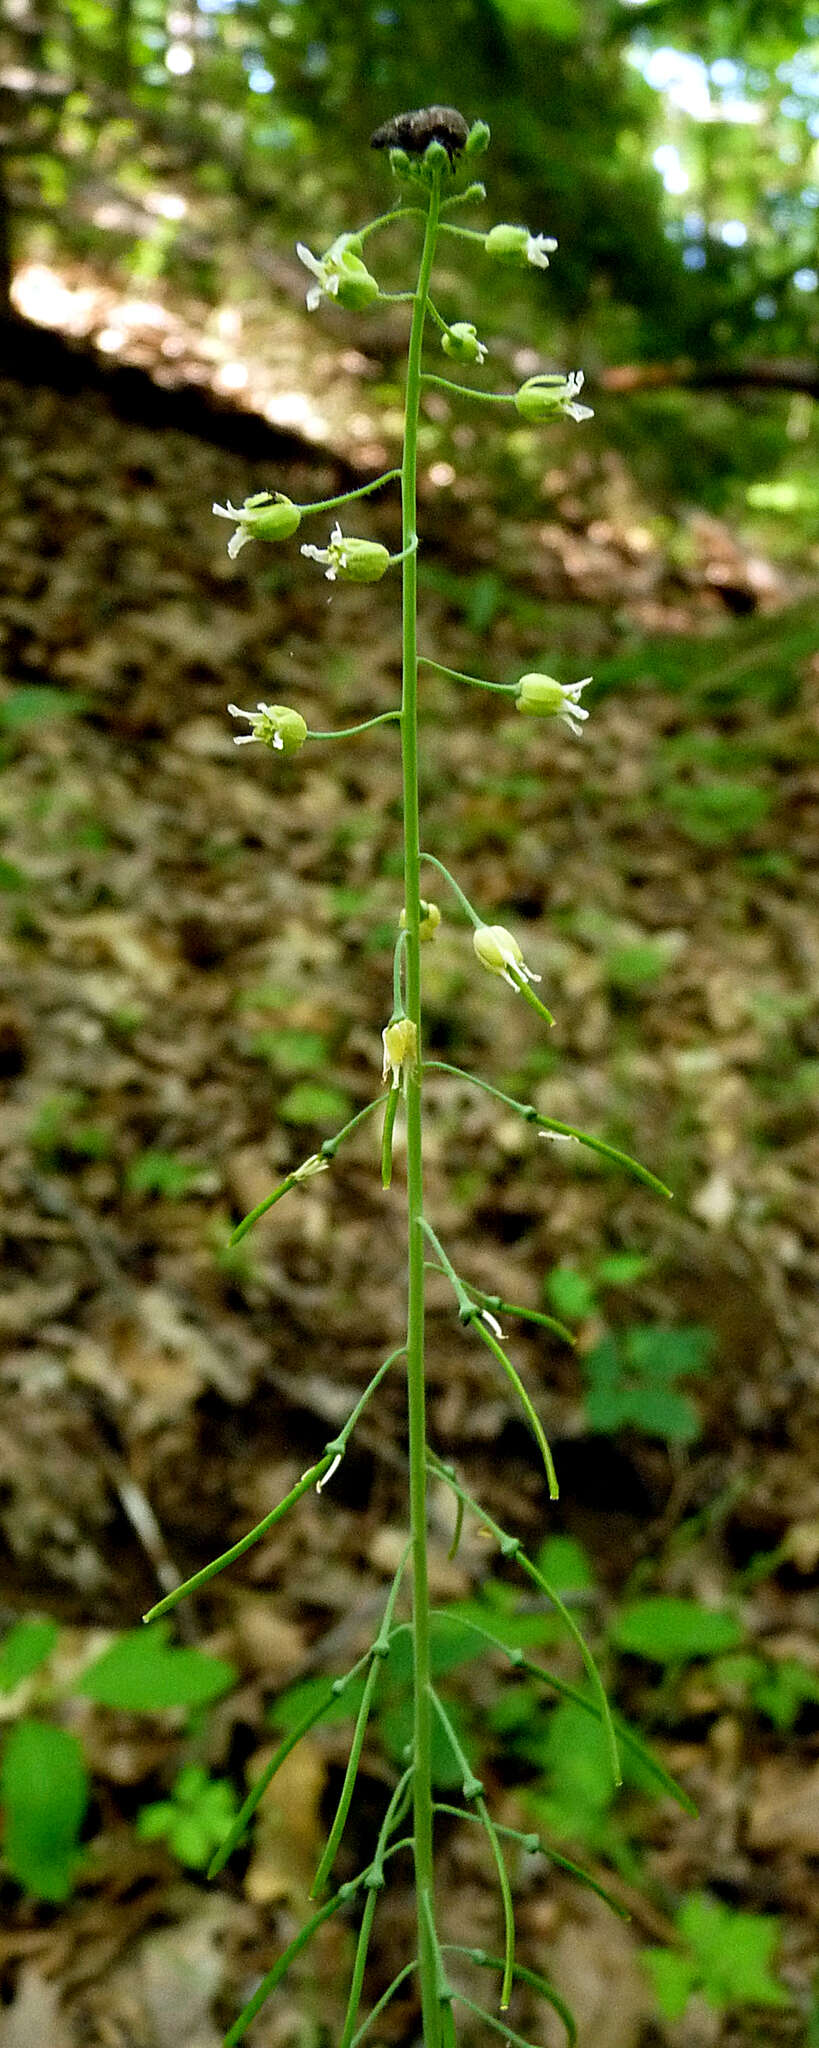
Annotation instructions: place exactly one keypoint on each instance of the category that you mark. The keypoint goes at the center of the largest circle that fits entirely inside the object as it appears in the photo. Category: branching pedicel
(433, 148)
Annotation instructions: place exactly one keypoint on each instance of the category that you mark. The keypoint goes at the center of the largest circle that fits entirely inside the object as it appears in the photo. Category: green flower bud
(541, 697)
(478, 139)
(275, 725)
(516, 245)
(430, 920)
(461, 342)
(351, 560)
(549, 396)
(260, 518)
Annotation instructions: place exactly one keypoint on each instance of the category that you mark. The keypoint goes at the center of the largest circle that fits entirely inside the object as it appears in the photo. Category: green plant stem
(472, 1315)
(468, 390)
(533, 1116)
(383, 2002)
(416, 1391)
(456, 675)
(466, 906)
(345, 732)
(346, 497)
(375, 1883)
(326, 1151)
(511, 1547)
(473, 1789)
(314, 1476)
(378, 1651)
(533, 1977)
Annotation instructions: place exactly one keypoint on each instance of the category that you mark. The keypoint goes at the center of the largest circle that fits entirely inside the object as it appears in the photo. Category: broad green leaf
(26, 1647)
(667, 1354)
(565, 1564)
(670, 1630)
(733, 1952)
(673, 1977)
(569, 1292)
(44, 1792)
(621, 1269)
(34, 703)
(145, 1674)
(309, 1102)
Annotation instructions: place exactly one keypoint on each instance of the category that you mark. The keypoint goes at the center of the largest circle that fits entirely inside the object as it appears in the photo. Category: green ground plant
(402, 1675)
(45, 1784)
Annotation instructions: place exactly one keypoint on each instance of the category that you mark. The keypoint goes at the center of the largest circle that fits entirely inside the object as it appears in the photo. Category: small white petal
(313, 298)
(325, 1481)
(492, 1322)
(310, 261)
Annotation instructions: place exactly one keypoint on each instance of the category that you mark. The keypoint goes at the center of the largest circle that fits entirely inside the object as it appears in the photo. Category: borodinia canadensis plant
(432, 152)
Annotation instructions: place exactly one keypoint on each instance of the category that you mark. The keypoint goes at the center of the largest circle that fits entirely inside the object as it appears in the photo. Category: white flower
(400, 1041)
(499, 951)
(540, 696)
(538, 250)
(340, 275)
(315, 1164)
(260, 518)
(275, 725)
(551, 394)
(350, 557)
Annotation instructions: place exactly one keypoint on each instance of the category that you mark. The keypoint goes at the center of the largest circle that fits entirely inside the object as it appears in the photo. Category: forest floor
(197, 968)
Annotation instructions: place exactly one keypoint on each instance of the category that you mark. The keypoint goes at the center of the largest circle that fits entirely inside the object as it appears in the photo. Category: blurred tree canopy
(672, 147)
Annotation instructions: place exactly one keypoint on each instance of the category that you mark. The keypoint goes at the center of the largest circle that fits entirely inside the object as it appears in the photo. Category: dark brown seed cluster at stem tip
(413, 132)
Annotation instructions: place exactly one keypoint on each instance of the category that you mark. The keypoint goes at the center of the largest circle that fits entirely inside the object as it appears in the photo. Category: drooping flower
(275, 725)
(498, 950)
(400, 1041)
(516, 245)
(350, 559)
(548, 396)
(340, 275)
(540, 696)
(260, 518)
